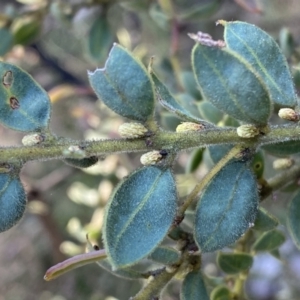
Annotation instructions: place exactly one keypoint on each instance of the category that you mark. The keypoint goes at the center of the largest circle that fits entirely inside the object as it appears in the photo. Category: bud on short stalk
(189, 126)
(132, 130)
(33, 139)
(288, 114)
(247, 131)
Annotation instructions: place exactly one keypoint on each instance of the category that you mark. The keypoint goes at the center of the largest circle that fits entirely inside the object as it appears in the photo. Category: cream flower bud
(247, 131)
(132, 130)
(151, 158)
(189, 126)
(288, 114)
(282, 163)
(33, 139)
(74, 151)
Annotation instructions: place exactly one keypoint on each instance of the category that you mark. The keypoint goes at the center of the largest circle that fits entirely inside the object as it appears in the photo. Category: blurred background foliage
(57, 42)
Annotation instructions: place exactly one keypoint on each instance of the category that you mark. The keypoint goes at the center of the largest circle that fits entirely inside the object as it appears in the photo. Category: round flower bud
(74, 151)
(282, 163)
(151, 158)
(132, 130)
(247, 131)
(288, 114)
(33, 139)
(189, 126)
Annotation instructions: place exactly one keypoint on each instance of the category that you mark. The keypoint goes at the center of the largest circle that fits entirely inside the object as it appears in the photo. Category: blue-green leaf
(262, 52)
(218, 151)
(209, 112)
(165, 255)
(283, 148)
(7, 41)
(193, 287)
(139, 215)
(233, 263)
(218, 73)
(226, 208)
(269, 241)
(124, 85)
(24, 105)
(190, 85)
(293, 219)
(12, 201)
(167, 101)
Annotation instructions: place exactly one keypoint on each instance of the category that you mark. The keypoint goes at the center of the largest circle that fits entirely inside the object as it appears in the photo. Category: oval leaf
(283, 148)
(193, 287)
(269, 241)
(81, 163)
(12, 201)
(221, 293)
(233, 263)
(6, 41)
(24, 105)
(265, 57)
(194, 161)
(218, 73)
(227, 207)
(165, 255)
(124, 85)
(264, 221)
(139, 215)
(167, 101)
(293, 219)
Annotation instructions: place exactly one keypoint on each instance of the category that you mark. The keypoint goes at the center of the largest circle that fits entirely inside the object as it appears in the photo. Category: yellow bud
(189, 126)
(282, 163)
(288, 114)
(132, 130)
(151, 158)
(247, 131)
(33, 139)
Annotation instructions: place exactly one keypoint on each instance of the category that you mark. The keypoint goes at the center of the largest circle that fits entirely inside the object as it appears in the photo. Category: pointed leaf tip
(124, 85)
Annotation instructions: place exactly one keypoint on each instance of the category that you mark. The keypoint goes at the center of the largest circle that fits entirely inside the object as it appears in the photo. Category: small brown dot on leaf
(7, 79)
(14, 103)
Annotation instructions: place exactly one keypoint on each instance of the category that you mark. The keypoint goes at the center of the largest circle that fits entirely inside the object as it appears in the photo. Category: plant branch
(160, 140)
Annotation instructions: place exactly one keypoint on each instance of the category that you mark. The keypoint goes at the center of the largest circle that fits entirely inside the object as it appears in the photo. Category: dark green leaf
(194, 160)
(126, 273)
(165, 255)
(202, 11)
(269, 241)
(124, 85)
(12, 201)
(193, 287)
(258, 164)
(167, 101)
(293, 219)
(219, 72)
(221, 293)
(24, 105)
(283, 148)
(264, 221)
(6, 41)
(25, 30)
(99, 39)
(233, 263)
(209, 112)
(139, 215)
(81, 163)
(227, 207)
(265, 57)
(169, 121)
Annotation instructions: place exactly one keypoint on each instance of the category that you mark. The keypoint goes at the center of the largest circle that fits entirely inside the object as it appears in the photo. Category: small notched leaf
(269, 241)
(218, 72)
(233, 263)
(193, 287)
(12, 201)
(139, 215)
(167, 101)
(124, 85)
(293, 219)
(24, 105)
(227, 207)
(261, 51)
(81, 163)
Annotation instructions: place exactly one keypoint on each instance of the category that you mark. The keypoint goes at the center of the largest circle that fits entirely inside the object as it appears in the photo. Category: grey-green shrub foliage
(242, 79)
